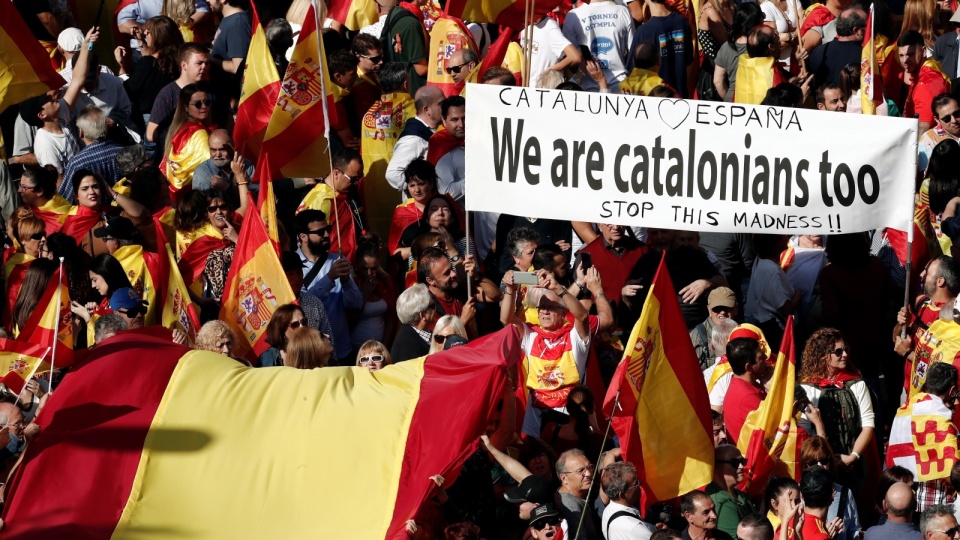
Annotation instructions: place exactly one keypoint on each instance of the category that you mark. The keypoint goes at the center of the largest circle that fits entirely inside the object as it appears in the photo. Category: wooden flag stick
(908, 267)
(606, 435)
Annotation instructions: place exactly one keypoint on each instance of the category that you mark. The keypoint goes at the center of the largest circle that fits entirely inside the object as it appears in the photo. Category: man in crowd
(366, 90)
(576, 477)
(898, 505)
(231, 43)
(829, 59)
(830, 98)
(816, 487)
(621, 519)
(415, 138)
(608, 43)
(755, 527)
(923, 78)
(99, 154)
(446, 149)
(721, 305)
(403, 41)
(544, 522)
(946, 111)
(107, 326)
(731, 504)
(342, 65)
(216, 172)
(194, 65)
(614, 252)
(645, 75)
(700, 514)
(672, 32)
(461, 63)
(938, 523)
(438, 272)
(941, 283)
(747, 353)
(947, 48)
(311, 305)
(333, 195)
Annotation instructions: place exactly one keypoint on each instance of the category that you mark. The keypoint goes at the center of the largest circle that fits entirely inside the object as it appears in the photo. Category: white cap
(70, 40)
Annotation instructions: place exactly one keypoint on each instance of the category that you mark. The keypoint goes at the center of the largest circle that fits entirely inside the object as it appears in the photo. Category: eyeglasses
(23, 187)
(18, 424)
(551, 521)
(297, 324)
(840, 350)
(955, 115)
(581, 471)
(372, 359)
(374, 59)
(322, 231)
(214, 208)
(951, 532)
(201, 103)
(441, 338)
(734, 462)
(722, 309)
(455, 69)
(352, 179)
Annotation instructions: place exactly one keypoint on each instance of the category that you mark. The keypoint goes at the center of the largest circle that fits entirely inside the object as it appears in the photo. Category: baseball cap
(750, 331)
(534, 488)
(120, 228)
(721, 296)
(127, 299)
(543, 512)
(70, 40)
(454, 341)
(31, 108)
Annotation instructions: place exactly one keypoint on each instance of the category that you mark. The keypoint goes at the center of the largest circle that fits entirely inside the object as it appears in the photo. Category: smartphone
(586, 261)
(585, 53)
(525, 278)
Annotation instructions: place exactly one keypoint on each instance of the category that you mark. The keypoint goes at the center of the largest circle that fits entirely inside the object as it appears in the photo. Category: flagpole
(56, 324)
(466, 222)
(908, 267)
(32, 373)
(606, 435)
(326, 123)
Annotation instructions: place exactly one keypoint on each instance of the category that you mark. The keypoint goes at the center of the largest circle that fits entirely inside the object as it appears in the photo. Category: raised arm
(76, 84)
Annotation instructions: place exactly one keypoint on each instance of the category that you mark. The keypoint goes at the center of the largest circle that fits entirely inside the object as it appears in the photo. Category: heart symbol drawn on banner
(673, 112)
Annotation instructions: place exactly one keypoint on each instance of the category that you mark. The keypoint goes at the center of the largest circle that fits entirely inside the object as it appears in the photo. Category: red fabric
(363, 95)
(404, 215)
(614, 268)
(80, 224)
(842, 378)
(494, 57)
(813, 528)
(927, 85)
(192, 261)
(51, 220)
(742, 398)
(43, 66)
(13, 290)
(346, 241)
(818, 17)
(34, 332)
(458, 395)
(253, 114)
(97, 436)
(440, 143)
(450, 307)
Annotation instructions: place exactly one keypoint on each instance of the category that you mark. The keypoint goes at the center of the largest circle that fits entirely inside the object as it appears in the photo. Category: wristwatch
(455, 258)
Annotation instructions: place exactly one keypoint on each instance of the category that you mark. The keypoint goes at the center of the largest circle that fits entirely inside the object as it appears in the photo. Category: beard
(319, 248)
(220, 162)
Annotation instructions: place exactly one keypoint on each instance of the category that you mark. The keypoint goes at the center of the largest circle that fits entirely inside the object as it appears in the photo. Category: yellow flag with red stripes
(25, 69)
(19, 361)
(258, 95)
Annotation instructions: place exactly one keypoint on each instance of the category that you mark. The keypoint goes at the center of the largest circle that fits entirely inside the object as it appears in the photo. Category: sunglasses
(214, 208)
(734, 462)
(722, 309)
(823, 462)
(955, 115)
(38, 236)
(375, 358)
(951, 532)
(840, 350)
(201, 103)
(455, 69)
(297, 324)
(441, 339)
(352, 179)
(374, 59)
(541, 525)
(322, 231)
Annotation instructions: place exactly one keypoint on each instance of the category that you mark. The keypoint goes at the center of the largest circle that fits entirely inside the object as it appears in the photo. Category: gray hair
(720, 335)
(442, 323)
(131, 158)
(107, 325)
(92, 122)
(562, 460)
(516, 238)
(550, 79)
(412, 302)
(932, 512)
(617, 478)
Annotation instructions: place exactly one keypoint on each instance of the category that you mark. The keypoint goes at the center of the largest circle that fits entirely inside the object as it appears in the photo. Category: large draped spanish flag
(754, 77)
(504, 12)
(923, 438)
(769, 436)
(256, 287)
(143, 270)
(258, 95)
(296, 137)
(41, 328)
(53, 213)
(663, 419)
(192, 444)
(25, 69)
(19, 361)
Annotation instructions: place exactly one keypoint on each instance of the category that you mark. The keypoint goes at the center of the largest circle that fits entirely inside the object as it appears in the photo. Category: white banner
(690, 165)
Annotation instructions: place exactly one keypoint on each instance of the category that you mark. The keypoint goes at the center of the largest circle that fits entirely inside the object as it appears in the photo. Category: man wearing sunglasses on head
(731, 504)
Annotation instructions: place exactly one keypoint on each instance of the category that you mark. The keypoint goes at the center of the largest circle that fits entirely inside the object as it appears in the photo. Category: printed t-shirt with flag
(19, 360)
(923, 438)
(448, 36)
(555, 362)
(938, 343)
(657, 403)
(258, 94)
(42, 327)
(320, 198)
(189, 148)
(381, 128)
(27, 70)
(151, 442)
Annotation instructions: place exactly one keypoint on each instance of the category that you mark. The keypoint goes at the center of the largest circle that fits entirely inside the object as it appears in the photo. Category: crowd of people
(136, 154)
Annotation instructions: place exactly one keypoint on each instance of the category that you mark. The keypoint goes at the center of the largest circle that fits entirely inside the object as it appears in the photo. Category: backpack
(839, 409)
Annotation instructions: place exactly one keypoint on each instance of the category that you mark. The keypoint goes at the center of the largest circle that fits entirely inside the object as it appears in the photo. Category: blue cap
(127, 299)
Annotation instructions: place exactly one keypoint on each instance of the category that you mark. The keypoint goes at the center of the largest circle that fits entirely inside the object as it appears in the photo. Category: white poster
(691, 165)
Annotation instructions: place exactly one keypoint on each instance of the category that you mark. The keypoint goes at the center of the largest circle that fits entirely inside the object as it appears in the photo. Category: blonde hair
(298, 12)
(211, 333)
(306, 349)
(918, 15)
(451, 321)
(26, 223)
(375, 347)
(179, 10)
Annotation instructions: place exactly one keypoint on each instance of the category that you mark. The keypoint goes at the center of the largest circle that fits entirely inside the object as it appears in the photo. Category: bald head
(427, 100)
(898, 501)
(461, 63)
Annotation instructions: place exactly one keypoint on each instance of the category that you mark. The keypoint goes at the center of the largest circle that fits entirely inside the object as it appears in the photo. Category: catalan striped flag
(256, 287)
(504, 12)
(871, 85)
(19, 361)
(258, 95)
(923, 439)
(296, 137)
(663, 416)
(160, 469)
(41, 328)
(353, 14)
(25, 69)
(769, 436)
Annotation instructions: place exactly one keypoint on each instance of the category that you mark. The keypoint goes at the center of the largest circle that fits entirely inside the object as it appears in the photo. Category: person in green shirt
(404, 40)
(732, 504)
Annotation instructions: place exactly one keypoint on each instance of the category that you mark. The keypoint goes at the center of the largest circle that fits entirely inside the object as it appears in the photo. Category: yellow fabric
(640, 82)
(869, 71)
(122, 187)
(446, 38)
(379, 132)
(24, 364)
(175, 305)
(15, 260)
(49, 318)
(58, 205)
(513, 59)
(131, 259)
(754, 78)
(260, 71)
(550, 378)
(319, 198)
(268, 212)
(934, 65)
(180, 165)
(185, 239)
(924, 424)
(212, 404)
(939, 343)
(684, 462)
(484, 11)
(362, 13)
(723, 367)
(18, 80)
(186, 32)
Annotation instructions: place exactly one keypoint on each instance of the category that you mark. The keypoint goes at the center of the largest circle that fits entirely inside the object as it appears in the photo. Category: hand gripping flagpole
(606, 436)
(56, 324)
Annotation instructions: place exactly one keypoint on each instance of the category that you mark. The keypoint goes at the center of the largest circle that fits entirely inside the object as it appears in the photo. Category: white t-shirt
(548, 45)
(772, 13)
(719, 390)
(56, 150)
(624, 528)
(607, 29)
(769, 290)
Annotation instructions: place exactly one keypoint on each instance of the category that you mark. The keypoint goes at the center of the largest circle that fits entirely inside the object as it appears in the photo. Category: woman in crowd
(539, 457)
(29, 231)
(941, 184)
(306, 348)
(216, 336)
(417, 314)
(924, 17)
(835, 387)
(157, 67)
(816, 451)
(888, 477)
(107, 276)
(421, 177)
(746, 16)
(781, 500)
(373, 355)
(448, 325)
(782, 16)
(714, 26)
(186, 144)
(38, 191)
(284, 322)
(35, 282)
(375, 319)
(206, 224)
(93, 206)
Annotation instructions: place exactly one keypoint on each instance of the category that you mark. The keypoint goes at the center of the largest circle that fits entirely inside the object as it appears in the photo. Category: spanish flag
(267, 201)
(297, 134)
(662, 416)
(448, 36)
(143, 462)
(142, 269)
(189, 147)
(769, 436)
(504, 12)
(256, 287)
(177, 310)
(53, 213)
(940, 343)
(14, 271)
(754, 77)
(923, 439)
(382, 125)
(79, 221)
(258, 95)
(25, 69)
(353, 14)
(194, 247)
(343, 238)
(40, 327)
(19, 361)
(871, 84)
